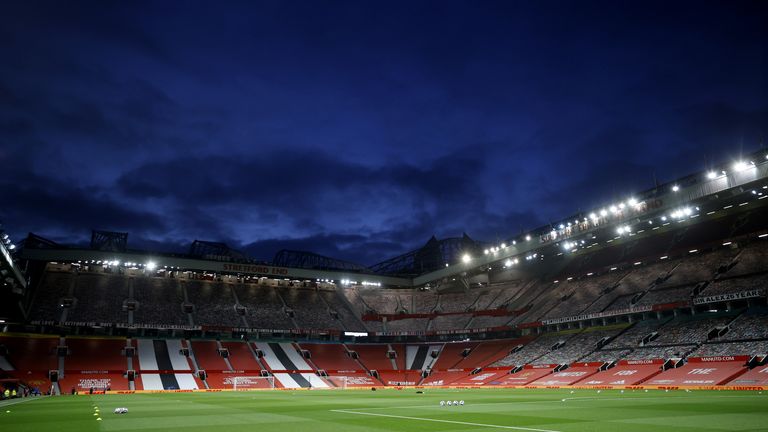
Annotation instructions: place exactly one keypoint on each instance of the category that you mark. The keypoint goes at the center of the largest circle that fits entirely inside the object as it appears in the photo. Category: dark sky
(359, 129)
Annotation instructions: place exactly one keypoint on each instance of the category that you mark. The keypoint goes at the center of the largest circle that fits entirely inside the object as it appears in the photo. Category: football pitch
(541, 410)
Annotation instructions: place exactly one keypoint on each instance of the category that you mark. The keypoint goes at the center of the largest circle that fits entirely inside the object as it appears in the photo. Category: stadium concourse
(664, 290)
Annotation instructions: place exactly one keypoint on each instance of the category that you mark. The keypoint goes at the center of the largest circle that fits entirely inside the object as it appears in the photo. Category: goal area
(244, 383)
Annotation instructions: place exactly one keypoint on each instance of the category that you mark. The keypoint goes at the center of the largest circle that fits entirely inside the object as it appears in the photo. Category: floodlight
(711, 175)
(740, 165)
(508, 263)
(603, 213)
(151, 265)
(528, 238)
(503, 245)
(675, 188)
(632, 202)
(614, 209)
(485, 252)
(466, 258)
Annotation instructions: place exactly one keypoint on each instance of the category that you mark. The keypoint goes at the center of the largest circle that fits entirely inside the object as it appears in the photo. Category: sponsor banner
(95, 383)
(717, 359)
(541, 366)
(611, 313)
(158, 326)
(292, 331)
(254, 269)
(731, 296)
(530, 325)
(605, 387)
(355, 380)
(668, 306)
(431, 315)
(641, 362)
(441, 332)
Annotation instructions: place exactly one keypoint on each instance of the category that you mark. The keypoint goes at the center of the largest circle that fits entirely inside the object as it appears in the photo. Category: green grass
(397, 410)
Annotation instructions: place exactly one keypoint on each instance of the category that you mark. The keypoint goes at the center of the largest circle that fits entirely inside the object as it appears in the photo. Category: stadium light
(675, 188)
(466, 258)
(151, 265)
(503, 245)
(603, 213)
(740, 165)
(711, 175)
(485, 252)
(508, 263)
(632, 202)
(528, 238)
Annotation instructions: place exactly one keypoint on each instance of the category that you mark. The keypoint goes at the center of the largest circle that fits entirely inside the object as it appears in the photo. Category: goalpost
(245, 383)
(340, 381)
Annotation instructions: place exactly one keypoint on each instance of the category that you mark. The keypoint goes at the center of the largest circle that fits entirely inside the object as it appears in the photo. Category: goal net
(242, 383)
(340, 382)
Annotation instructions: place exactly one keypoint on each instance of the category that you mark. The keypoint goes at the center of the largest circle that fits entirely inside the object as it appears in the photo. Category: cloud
(68, 211)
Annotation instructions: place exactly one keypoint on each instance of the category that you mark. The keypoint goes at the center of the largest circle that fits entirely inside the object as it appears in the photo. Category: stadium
(383, 216)
(641, 313)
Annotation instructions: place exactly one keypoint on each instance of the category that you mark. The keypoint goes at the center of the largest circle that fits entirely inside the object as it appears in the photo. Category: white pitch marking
(675, 398)
(667, 398)
(446, 421)
(18, 401)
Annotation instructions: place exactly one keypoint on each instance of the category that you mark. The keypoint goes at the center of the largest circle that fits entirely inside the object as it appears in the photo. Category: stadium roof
(681, 201)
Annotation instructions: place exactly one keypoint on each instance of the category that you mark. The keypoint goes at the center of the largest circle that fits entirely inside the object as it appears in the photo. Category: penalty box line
(445, 421)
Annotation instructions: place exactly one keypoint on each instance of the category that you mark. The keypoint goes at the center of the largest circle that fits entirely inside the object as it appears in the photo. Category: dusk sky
(359, 129)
